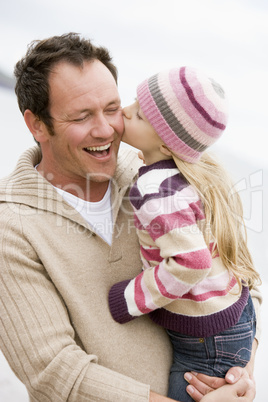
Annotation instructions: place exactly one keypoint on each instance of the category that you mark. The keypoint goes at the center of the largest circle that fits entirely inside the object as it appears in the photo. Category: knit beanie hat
(187, 109)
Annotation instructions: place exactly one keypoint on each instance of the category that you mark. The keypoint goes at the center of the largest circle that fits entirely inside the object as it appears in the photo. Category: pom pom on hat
(187, 109)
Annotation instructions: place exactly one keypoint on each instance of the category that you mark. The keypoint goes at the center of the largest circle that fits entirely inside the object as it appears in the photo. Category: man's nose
(102, 128)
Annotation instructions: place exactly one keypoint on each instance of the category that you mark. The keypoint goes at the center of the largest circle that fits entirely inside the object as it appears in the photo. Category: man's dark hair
(32, 71)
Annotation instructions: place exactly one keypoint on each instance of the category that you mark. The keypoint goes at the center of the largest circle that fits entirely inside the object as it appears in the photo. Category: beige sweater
(56, 329)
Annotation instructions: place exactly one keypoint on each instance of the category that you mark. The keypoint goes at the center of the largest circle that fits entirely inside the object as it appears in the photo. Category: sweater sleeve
(183, 256)
(37, 336)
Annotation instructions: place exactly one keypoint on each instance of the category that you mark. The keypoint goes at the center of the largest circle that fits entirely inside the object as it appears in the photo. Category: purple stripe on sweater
(163, 164)
(196, 104)
(170, 204)
(168, 187)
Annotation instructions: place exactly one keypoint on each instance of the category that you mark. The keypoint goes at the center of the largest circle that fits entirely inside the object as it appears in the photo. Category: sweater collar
(26, 186)
(163, 164)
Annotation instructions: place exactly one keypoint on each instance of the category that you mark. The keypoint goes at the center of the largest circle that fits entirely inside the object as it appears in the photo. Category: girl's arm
(184, 260)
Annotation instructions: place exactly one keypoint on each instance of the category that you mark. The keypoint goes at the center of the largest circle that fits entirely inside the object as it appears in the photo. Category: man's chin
(101, 177)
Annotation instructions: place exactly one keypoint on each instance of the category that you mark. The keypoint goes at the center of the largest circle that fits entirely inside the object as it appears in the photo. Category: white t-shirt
(97, 214)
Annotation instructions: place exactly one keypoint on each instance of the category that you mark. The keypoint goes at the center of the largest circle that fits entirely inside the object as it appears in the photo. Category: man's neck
(83, 188)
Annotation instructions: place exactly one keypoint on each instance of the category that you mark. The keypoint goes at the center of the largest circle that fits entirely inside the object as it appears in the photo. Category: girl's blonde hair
(224, 216)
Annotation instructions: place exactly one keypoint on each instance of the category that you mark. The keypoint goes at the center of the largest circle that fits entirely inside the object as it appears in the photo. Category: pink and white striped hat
(187, 109)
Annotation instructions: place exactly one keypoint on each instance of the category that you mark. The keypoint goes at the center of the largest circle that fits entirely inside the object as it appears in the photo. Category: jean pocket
(186, 347)
(233, 348)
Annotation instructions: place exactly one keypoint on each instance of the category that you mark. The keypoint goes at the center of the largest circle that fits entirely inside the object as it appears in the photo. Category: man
(67, 236)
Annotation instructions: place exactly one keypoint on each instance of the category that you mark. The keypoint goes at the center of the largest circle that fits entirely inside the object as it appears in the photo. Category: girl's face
(140, 134)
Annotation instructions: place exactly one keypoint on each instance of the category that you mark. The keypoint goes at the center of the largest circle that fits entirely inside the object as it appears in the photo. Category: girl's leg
(177, 387)
(213, 355)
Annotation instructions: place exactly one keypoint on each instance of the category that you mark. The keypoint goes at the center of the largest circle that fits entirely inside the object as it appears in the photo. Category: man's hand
(201, 384)
(242, 391)
(203, 387)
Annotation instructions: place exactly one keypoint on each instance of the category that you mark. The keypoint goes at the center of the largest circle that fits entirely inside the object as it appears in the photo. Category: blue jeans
(214, 355)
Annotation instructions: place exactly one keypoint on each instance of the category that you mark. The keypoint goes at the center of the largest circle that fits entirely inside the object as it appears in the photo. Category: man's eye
(80, 119)
(113, 110)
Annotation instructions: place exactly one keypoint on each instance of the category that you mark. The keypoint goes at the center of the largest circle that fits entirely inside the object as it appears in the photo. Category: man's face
(87, 122)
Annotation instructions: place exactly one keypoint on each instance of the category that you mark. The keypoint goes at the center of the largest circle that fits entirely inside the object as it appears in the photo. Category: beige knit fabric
(56, 329)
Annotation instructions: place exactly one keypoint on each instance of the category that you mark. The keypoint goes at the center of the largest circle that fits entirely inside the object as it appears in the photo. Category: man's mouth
(100, 151)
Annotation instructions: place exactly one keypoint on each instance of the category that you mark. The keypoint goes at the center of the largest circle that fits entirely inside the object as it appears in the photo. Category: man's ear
(164, 149)
(36, 126)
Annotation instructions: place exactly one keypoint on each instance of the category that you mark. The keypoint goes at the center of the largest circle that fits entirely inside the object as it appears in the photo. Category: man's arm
(36, 333)
(242, 391)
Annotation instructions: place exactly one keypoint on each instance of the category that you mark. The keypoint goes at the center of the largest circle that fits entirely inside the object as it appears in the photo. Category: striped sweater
(182, 287)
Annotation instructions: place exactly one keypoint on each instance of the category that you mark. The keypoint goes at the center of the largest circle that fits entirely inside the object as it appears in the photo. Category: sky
(226, 39)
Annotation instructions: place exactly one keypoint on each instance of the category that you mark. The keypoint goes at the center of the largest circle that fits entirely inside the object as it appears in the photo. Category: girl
(197, 270)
